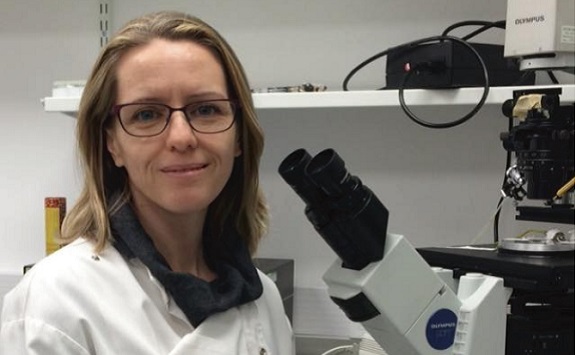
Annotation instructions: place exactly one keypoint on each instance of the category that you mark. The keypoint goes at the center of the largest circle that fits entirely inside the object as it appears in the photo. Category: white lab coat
(76, 302)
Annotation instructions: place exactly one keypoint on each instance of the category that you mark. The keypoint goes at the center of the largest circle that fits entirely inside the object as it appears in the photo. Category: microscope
(380, 280)
(538, 268)
(540, 35)
(543, 145)
(431, 300)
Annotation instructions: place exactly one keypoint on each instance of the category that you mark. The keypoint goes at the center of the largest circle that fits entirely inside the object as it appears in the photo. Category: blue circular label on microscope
(440, 330)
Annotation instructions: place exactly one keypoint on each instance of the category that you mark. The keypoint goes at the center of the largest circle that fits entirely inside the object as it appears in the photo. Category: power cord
(431, 67)
(342, 350)
(485, 25)
(502, 198)
(434, 68)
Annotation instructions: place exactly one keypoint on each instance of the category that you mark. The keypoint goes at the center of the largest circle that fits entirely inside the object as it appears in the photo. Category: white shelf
(68, 105)
(372, 98)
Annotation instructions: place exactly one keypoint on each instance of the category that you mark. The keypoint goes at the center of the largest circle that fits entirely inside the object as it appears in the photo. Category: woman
(160, 240)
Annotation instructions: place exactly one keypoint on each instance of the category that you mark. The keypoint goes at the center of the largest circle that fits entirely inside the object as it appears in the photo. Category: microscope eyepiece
(292, 167)
(292, 170)
(328, 171)
(343, 211)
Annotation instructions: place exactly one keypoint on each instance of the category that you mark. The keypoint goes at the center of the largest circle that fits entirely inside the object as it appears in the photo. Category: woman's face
(179, 171)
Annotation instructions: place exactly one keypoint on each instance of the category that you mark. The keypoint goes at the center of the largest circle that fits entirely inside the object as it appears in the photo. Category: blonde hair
(240, 204)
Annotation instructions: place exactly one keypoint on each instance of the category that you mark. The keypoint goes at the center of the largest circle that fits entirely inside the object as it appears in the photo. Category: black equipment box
(519, 271)
(281, 271)
(452, 65)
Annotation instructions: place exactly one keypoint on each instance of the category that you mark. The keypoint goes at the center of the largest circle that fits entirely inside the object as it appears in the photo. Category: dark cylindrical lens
(293, 166)
(328, 171)
(292, 170)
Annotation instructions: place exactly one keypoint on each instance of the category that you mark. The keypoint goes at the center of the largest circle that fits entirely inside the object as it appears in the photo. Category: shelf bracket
(105, 21)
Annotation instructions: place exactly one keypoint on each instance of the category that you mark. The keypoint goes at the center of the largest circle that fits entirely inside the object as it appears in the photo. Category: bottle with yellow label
(54, 212)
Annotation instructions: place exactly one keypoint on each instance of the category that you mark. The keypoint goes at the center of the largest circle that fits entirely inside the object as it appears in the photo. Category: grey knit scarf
(237, 280)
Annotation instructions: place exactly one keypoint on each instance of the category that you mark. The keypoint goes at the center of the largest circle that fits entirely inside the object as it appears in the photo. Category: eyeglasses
(151, 119)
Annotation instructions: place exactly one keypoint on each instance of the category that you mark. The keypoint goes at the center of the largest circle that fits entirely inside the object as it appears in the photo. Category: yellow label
(52, 223)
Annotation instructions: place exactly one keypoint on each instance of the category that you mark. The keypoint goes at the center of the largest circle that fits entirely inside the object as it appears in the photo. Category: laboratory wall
(440, 186)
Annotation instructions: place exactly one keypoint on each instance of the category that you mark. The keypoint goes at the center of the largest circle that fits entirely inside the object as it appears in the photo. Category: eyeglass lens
(148, 119)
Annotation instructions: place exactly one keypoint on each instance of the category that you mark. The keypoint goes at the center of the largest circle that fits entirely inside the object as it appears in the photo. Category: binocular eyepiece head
(326, 172)
(343, 211)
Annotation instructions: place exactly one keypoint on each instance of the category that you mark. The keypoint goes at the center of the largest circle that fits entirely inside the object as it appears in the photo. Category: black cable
(502, 198)
(552, 77)
(366, 62)
(485, 26)
(463, 24)
(497, 24)
(496, 221)
(409, 45)
(461, 120)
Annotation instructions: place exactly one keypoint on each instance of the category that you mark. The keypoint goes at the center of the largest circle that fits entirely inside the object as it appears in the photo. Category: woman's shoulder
(65, 276)
(72, 262)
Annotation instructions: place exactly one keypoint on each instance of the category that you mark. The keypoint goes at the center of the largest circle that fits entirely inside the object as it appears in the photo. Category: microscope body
(381, 281)
(423, 310)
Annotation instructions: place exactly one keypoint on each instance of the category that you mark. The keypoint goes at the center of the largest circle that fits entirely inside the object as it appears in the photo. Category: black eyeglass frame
(235, 104)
